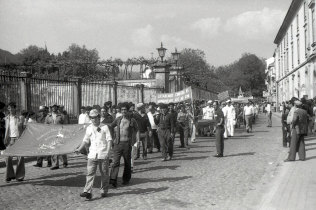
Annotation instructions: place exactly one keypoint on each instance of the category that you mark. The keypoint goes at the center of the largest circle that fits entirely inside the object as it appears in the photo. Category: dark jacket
(165, 121)
(300, 121)
(133, 128)
(142, 122)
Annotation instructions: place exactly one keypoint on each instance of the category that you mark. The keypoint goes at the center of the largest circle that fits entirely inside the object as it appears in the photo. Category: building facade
(295, 55)
(270, 81)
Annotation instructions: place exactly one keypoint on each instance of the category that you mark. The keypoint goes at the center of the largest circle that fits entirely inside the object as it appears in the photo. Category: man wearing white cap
(231, 118)
(99, 141)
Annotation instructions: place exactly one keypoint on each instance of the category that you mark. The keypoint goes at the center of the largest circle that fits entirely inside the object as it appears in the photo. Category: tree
(198, 72)
(248, 73)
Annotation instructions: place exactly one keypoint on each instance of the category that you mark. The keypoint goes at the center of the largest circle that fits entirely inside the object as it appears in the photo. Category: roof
(295, 6)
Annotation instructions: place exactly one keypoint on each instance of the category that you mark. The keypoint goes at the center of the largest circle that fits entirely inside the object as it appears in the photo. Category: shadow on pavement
(53, 176)
(138, 191)
(240, 154)
(310, 144)
(135, 181)
(198, 152)
(156, 168)
(192, 158)
(262, 131)
(310, 158)
(311, 149)
(242, 136)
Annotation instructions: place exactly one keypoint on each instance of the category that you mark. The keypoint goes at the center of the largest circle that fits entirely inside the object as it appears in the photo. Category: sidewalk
(291, 186)
(295, 186)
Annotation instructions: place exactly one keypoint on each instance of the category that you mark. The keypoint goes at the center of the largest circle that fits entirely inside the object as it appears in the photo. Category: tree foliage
(248, 73)
(198, 72)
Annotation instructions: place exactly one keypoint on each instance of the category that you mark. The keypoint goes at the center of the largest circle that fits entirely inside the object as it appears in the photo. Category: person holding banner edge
(98, 139)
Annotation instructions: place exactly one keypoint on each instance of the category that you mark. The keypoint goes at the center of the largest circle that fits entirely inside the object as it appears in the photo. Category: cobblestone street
(193, 180)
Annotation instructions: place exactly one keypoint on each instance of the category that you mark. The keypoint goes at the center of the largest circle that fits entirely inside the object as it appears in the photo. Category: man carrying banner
(165, 131)
(56, 118)
(99, 141)
(13, 130)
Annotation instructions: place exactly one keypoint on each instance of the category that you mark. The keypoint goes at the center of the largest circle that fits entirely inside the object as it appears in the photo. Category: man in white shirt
(208, 114)
(13, 130)
(269, 113)
(154, 140)
(99, 140)
(83, 117)
(248, 115)
(224, 110)
(231, 118)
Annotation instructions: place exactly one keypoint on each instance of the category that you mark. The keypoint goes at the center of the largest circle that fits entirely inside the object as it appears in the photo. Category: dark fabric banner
(44, 140)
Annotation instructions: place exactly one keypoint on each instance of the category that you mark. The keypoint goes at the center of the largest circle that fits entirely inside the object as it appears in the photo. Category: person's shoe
(65, 165)
(150, 151)
(170, 158)
(9, 179)
(113, 183)
(86, 195)
(136, 158)
(125, 182)
(247, 130)
(20, 180)
(218, 155)
(288, 160)
(164, 159)
(54, 168)
(103, 195)
(193, 141)
(38, 165)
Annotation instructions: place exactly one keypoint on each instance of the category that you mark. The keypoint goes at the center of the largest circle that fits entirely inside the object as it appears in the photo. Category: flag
(45, 140)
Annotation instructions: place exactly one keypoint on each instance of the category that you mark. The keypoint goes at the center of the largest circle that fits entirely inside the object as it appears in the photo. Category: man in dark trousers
(174, 115)
(299, 130)
(219, 135)
(165, 122)
(126, 128)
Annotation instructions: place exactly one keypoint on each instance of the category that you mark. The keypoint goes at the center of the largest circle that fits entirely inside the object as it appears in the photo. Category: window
(292, 55)
(297, 23)
(306, 42)
(298, 49)
(313, 25)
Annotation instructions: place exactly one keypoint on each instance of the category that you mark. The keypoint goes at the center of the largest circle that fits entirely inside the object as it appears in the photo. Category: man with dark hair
(166, 124)
(299, 130)
(124, 139)
(40, 118)
(144, 129)
(56, 118)
(106, 117)
(219, 118)
(154, 137)
(13, 130)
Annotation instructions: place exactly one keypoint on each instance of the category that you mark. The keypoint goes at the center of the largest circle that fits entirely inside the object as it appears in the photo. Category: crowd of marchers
(129, 131)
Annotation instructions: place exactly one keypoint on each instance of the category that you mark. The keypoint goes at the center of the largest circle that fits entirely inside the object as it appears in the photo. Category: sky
(223, 29)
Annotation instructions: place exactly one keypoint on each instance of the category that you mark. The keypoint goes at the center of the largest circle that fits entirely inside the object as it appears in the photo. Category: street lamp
(161, 52)
(175, 56)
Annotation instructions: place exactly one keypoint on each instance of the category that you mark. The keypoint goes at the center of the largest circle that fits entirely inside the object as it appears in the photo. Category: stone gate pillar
(162, 71)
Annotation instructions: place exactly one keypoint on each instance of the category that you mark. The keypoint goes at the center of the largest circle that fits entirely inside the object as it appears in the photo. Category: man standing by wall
(219, 135)
(13, 130)
(299, 130)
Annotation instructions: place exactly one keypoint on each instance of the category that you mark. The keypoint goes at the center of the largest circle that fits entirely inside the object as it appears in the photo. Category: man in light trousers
(99, 138)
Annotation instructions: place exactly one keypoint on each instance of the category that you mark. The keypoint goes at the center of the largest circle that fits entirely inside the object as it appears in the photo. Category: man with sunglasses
(99, 141)
(126, 136)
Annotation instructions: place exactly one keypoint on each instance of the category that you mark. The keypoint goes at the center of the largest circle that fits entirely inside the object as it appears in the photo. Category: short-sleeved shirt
(218, 115)
(98, 138)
